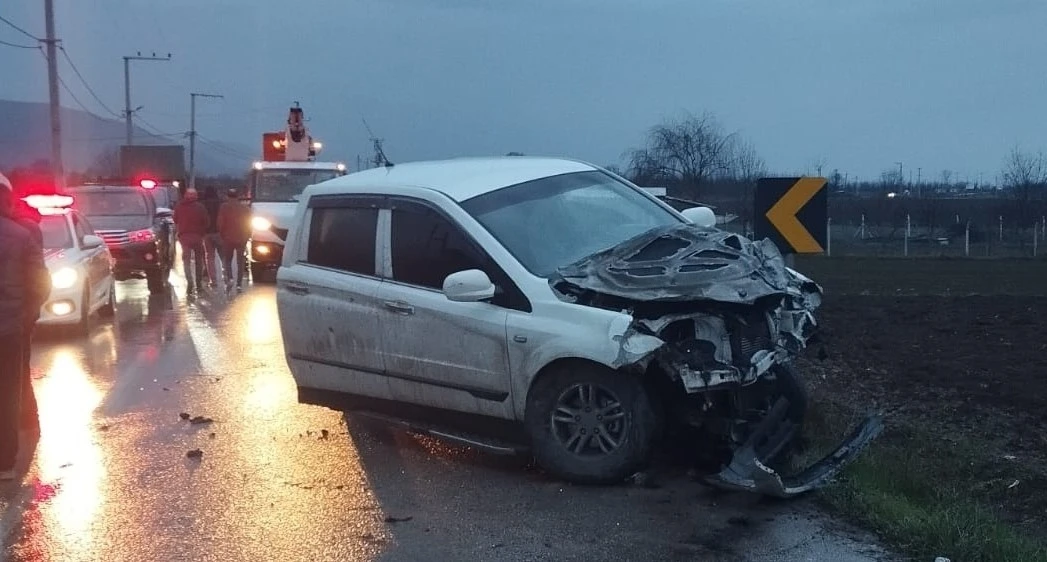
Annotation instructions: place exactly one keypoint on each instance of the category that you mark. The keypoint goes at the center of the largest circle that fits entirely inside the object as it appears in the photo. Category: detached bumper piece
(747, 471)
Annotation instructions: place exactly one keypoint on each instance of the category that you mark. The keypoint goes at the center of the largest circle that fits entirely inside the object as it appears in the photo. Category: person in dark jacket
(234, 227)
(212, 241)
(190, 218)
(29, 218)
(21, 268)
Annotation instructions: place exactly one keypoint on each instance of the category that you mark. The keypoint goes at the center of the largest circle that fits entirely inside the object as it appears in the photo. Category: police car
(81, 267)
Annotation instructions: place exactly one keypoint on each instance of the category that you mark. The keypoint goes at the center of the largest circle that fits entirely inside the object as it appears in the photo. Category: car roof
(458, 178)
(295, 165)
(104, 187)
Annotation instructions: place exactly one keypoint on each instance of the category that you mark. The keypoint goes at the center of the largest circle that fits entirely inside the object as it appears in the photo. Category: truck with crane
(275, 182)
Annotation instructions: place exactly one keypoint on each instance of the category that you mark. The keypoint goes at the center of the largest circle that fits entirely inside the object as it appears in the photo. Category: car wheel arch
(550, 367)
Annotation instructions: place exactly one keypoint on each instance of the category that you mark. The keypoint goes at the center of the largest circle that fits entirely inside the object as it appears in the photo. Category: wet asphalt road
(109, 478)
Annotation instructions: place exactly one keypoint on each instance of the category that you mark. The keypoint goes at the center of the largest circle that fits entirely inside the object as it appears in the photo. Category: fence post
(908, 224)
(863, 226)
(967, 240)
(1001, 228)
(829, 236)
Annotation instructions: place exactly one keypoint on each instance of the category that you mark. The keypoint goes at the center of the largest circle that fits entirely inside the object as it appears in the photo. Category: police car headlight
(64, 278)
(260, 223)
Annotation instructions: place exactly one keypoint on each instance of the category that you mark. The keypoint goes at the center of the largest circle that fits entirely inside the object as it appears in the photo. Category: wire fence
(962, 238)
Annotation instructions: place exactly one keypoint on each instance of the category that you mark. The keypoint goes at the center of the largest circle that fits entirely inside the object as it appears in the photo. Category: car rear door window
(343, 238)
(427, 247)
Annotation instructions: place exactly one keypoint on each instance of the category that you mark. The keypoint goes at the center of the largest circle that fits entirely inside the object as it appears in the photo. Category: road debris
(197, 420)
(195, 454)
(324, 433)
(391, 519)
(184, 416)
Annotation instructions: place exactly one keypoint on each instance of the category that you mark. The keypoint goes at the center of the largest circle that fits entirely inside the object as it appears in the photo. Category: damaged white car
(546, 304)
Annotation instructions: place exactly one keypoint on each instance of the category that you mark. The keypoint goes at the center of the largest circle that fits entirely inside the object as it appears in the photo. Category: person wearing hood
(234, 227)
(21, 269)
(213, 241)
(29, 218)
(191, 222)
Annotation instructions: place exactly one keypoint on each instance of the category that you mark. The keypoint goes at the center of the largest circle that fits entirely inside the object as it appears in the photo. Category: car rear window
(343, 238)
(111, 203)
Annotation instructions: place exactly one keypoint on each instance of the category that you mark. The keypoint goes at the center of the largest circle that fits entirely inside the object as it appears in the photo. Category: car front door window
(426, 247)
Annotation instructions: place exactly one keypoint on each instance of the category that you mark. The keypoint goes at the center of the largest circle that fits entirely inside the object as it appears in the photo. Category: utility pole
(57, 169)
(127, 90)
(901, 175)
(192, 134)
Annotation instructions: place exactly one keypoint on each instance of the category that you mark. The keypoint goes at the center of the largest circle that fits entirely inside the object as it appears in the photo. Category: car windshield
(286, 185)
(556, 221)
(111, 203)
(55, 230)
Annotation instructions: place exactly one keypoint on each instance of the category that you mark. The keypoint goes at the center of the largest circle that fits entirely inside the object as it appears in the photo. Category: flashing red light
(49, 204)
(147, 184)
(138, 236)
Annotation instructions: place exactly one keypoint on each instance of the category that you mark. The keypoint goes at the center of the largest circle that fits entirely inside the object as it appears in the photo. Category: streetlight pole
(127, 90)
(192, 134)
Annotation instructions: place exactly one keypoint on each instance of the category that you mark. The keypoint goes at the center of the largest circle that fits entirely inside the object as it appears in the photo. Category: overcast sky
(858, 85)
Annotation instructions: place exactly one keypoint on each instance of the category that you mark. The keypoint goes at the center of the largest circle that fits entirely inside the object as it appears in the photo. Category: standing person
(212, 241)
(190, 218)
(234, 227)
(21, 267)
(40, 289)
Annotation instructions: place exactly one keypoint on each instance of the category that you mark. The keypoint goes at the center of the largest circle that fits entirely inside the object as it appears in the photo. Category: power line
(17, 46)
(224, 149)
(73, 96)
(19, 29)
(87, 139)
(86, 85)
(149, 127)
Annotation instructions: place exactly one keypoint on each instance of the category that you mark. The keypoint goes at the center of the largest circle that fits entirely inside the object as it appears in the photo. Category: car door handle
(399, 307)
(297, 289)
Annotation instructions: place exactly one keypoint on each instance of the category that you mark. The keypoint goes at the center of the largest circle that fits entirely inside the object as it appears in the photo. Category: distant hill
(90, 141)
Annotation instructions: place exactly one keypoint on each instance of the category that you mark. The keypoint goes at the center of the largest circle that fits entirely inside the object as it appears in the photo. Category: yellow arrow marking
(783, 215)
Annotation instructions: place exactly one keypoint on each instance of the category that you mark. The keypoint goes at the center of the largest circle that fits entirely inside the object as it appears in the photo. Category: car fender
(603, 337)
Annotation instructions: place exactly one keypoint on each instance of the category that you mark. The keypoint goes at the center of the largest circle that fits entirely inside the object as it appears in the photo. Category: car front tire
(108, 309)
(262, 274)
(589, 424)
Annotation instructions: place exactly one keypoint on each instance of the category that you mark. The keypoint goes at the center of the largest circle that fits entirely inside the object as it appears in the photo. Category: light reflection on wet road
(110, 479)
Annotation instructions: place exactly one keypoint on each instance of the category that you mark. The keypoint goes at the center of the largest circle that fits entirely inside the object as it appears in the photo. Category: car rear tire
(157, 279)
(108, 309)
(589, 424)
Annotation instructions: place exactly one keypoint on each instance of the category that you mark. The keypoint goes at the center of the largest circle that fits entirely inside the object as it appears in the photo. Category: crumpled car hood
(684, 263)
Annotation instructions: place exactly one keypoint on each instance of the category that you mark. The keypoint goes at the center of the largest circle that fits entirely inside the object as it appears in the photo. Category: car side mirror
(471, 285)
(701, 216)
(91, 242)
(163, 213)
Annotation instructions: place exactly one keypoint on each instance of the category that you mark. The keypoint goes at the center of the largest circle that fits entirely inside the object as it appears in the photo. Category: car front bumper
(266, 253)
(68, 302)
(129, 259)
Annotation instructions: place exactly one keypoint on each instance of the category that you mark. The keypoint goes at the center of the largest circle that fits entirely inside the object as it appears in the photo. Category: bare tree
(746, 168)
(106, 164)
(890, 180)
(690, 151)
(1025, 176)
